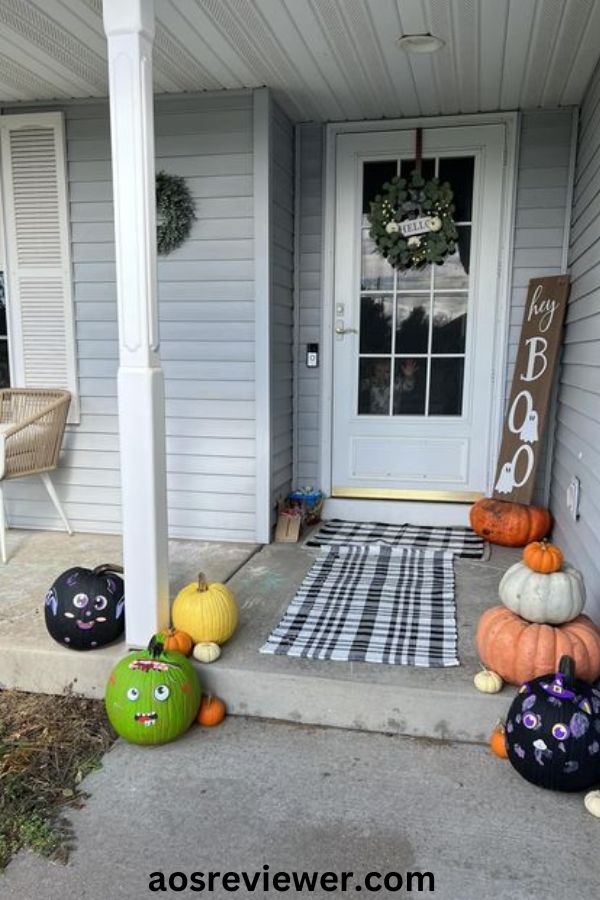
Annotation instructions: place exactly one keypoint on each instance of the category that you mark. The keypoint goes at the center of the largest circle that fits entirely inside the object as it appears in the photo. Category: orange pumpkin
(519, 651)
(212, 710)
(174, 639)
(541, 556)
(509, 524)
(498, 742)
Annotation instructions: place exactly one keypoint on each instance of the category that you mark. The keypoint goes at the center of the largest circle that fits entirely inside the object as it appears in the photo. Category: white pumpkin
(553, 598)
(488, 682)
(592, 803)
(206, 652)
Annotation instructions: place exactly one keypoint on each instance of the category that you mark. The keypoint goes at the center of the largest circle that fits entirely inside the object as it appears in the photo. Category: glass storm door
(413, 349)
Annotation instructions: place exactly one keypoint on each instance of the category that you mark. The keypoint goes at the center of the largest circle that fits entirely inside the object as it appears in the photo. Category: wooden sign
(416, 226)
(539, 346)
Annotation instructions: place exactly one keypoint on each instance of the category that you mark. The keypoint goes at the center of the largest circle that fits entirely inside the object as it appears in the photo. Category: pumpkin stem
(566, 667)
(106, 567)
(155, 647)
(202, 582)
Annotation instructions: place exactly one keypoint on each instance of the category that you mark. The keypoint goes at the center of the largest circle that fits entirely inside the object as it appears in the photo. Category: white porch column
(129, 27)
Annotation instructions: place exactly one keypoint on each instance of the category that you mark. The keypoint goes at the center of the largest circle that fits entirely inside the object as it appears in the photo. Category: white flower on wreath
(434, 223)
(392, 227)
(414, 242)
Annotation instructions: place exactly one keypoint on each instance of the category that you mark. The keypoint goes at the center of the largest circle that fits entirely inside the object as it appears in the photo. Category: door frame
(511, 122)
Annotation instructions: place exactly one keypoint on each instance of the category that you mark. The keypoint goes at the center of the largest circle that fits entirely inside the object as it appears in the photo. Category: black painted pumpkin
(85, 607)
(553, 731)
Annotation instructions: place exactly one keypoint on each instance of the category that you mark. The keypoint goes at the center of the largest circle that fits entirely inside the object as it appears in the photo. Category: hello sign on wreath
(537, 355)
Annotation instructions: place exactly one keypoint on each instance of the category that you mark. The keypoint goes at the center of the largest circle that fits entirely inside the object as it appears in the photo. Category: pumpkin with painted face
(153, 695)
(85, 608)
(553, 731)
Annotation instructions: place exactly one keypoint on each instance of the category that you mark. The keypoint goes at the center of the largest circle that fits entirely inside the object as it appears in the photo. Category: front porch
(435, 703)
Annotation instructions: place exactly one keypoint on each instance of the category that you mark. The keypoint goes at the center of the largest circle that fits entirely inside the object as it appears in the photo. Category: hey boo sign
(537, 355)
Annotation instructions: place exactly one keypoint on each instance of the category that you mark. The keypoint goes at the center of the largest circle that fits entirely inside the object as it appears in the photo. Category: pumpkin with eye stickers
(152, 696)
(85, 608)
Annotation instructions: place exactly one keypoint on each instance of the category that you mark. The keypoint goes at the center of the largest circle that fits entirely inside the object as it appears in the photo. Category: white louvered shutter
(40, 302)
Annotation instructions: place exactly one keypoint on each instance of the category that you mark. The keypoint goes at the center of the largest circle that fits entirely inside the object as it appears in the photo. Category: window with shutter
(38, 258)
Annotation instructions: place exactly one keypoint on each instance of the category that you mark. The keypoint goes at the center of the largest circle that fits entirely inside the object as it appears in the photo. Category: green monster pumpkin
(152, 695)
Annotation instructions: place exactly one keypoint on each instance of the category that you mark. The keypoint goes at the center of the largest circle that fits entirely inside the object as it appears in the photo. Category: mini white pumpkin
(206, 652)
(488, 682)
(553, 598)
(592, 803)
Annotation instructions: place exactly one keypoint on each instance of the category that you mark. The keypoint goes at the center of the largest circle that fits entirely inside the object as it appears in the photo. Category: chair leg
(2, 526)
(45, 476)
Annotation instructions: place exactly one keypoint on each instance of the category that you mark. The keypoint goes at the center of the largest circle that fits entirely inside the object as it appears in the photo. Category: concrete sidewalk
(298, 798)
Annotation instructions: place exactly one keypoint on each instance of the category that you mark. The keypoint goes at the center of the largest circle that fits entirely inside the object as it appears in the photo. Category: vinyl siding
(541, 213)
(577, 444)
(206, 294)
(282, 301)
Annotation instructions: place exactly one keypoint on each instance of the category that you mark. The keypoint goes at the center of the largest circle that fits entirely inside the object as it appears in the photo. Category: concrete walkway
(298, 798)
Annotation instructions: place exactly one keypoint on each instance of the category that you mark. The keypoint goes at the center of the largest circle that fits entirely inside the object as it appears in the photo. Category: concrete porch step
(434, 703)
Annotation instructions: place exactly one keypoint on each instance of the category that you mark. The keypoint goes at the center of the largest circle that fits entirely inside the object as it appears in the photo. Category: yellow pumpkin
(207, 612)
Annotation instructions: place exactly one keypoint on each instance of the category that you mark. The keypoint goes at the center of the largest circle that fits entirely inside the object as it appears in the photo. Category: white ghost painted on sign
(506, 480)
(529, 429)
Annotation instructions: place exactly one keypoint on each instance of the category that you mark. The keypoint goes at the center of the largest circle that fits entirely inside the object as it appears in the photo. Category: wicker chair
(32, 424)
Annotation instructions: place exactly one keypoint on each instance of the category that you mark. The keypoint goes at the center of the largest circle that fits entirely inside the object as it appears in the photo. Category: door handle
(339, 329)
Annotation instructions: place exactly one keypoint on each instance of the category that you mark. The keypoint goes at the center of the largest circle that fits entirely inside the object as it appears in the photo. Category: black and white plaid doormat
(373, 604)
(460, 541)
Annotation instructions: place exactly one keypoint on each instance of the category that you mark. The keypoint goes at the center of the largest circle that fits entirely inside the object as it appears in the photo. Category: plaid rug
(373, 604)
(460, 541)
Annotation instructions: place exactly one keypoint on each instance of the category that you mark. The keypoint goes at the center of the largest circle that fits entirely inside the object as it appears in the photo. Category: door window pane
(446, 387)
(375, 175)
(454, 273)
(4, 369)
(449, 323)
(377, 273)
(412, 324)
(407, 167)
(376, 325)
(459, 171)
(374, 377)
(410, 381)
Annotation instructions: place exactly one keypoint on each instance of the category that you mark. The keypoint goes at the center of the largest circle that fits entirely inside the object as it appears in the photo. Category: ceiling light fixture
(420, 43)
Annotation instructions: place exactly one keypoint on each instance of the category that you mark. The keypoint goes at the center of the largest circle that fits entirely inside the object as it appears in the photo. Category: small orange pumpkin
(541, 556)
(509, 524)
(174, 639)
(212, 711)
(498, 741)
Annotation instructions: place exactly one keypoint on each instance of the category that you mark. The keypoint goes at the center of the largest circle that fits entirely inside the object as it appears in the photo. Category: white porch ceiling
(325, 59)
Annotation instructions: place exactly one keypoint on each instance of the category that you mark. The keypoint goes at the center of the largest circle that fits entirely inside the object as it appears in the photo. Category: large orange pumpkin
(519, 650)
(509, 524)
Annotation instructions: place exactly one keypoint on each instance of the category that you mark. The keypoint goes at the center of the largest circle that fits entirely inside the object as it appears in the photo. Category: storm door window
(413, 323)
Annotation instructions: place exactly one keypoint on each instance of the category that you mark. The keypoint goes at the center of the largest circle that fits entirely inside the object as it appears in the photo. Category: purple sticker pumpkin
(85, 608)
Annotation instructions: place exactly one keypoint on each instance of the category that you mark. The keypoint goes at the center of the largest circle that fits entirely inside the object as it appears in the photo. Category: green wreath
(175, 212)
(429, 205)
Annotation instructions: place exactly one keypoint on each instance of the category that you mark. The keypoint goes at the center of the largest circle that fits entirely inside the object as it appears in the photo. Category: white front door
(413, 359)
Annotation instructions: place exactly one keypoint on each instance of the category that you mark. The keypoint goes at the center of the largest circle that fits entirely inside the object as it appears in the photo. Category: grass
(47, 747)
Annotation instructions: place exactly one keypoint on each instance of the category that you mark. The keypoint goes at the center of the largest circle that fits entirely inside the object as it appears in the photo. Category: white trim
(511, 121)
(397, 512)
(262, 308)
(90, 101)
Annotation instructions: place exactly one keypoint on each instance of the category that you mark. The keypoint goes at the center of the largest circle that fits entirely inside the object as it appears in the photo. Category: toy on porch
(153, 695)
(207, 612)
(509, 524)
(540, 620)
(84, 608)
(553, 731)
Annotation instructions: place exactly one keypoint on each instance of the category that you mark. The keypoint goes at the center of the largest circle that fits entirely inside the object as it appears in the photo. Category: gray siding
(310, 228)
(577, 446)
(542, 181)
(282, 301)
(206, 293)
(540, 226)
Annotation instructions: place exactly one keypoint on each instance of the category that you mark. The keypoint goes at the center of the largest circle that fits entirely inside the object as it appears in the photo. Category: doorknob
(339, 329)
